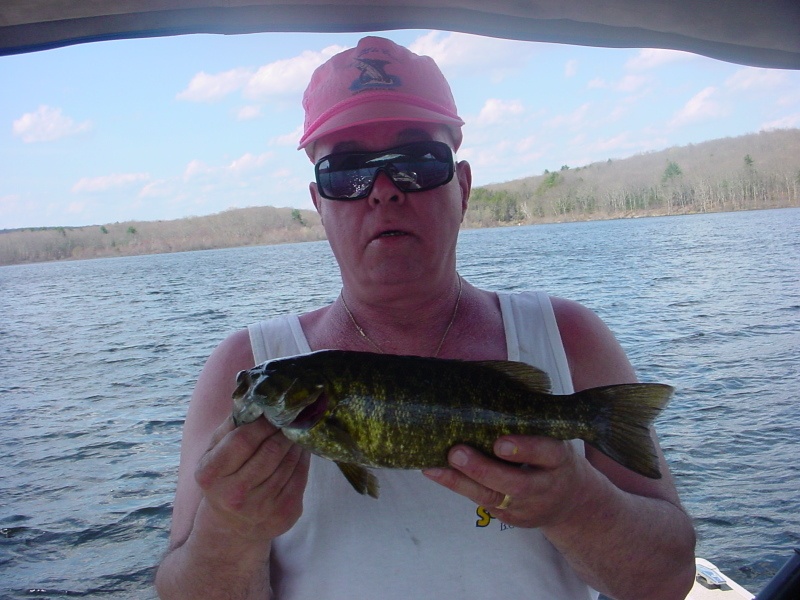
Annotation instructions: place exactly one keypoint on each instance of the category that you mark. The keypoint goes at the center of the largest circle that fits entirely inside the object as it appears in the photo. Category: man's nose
(384, 190)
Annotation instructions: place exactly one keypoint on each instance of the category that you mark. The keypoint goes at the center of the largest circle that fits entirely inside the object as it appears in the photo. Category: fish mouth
(311, 414)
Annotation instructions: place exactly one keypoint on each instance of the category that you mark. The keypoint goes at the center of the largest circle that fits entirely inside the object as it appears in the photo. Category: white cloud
(503, 160)
(448, 50)
(752, 77)
(195, 168)
(283, 173)
(288, 139)
(572, 120)
(571, 68)
(288, 76)
(651, 58)
(787, 122)
(483, 157)
(578, 140)
(209, 186)
(210, 88)
(47, 124)
(246, 163)
(617, 112)
(630, 83)
(462, 52)
(701, 106)
(496, 111)
(108, 182)
(278, 78)
(527, 143)
(160, 188)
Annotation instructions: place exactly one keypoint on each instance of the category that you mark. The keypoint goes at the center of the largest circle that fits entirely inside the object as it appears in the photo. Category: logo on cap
(373, 75)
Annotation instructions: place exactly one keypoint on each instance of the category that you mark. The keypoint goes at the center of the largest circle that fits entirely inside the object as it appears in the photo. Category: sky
(165, 128)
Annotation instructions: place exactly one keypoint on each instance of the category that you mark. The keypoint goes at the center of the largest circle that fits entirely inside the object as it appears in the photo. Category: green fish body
(405, 412)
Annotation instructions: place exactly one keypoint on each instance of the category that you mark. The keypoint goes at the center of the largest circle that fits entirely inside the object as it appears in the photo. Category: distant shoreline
(288, 239)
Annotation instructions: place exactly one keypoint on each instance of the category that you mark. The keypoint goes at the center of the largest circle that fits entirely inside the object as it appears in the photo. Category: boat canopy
(762, 33)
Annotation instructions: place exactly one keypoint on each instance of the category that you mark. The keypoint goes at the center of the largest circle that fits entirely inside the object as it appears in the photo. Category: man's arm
(626, 535)
(238, 488)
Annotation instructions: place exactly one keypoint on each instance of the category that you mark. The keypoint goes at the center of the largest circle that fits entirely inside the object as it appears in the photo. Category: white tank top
(418, 540)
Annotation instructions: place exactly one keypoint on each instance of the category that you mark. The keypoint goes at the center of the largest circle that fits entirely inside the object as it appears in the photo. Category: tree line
(755, 171)
(749, 172)
(235, 227)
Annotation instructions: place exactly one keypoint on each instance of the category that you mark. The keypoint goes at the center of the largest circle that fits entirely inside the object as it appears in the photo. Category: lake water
(98, 359)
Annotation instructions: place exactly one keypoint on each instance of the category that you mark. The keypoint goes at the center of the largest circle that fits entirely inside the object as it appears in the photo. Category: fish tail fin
(622, 423)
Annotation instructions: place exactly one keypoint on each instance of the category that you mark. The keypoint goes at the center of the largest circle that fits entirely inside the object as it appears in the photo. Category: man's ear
(464, 174)
(316, 199)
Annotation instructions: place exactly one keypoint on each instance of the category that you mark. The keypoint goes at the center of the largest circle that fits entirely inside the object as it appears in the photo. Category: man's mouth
(391, 233)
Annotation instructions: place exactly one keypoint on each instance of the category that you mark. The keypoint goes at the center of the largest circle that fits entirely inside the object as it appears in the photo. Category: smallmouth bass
(363, 410)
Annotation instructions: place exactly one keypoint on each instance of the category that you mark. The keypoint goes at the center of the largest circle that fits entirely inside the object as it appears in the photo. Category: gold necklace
(364, 335)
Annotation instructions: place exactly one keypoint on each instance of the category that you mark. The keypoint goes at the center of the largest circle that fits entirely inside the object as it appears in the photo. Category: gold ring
(504, 504)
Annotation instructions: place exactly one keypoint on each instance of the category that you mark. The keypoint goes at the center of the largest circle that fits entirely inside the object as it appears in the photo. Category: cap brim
(376, 112)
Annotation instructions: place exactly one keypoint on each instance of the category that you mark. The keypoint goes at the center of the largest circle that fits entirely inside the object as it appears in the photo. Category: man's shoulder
(575, 316)
(234, 351)
(593, 353)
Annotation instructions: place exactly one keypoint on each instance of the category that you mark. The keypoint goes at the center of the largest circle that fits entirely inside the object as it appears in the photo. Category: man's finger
(233, 449)
(536, 451)
(220, 432)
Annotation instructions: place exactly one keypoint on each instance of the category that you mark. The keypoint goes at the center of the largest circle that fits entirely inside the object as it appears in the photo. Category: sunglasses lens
(413, 168)
(343, 183)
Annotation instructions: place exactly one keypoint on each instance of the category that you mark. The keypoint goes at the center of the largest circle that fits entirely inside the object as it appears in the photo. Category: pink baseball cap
(376, 81)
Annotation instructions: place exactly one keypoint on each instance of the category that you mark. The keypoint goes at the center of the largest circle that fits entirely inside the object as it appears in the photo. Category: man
(255, 514)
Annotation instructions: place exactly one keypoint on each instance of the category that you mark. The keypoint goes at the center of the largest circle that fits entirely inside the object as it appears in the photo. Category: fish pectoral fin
(360, 478)
(530, 377)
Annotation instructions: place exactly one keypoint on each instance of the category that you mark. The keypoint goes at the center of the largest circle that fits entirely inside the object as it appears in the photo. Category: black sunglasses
(414, 167)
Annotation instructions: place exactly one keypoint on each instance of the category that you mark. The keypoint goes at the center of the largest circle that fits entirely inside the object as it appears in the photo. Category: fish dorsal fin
(530, 377)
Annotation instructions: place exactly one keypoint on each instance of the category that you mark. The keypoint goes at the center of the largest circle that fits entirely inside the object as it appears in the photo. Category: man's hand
(253, 479)
(545, 487)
